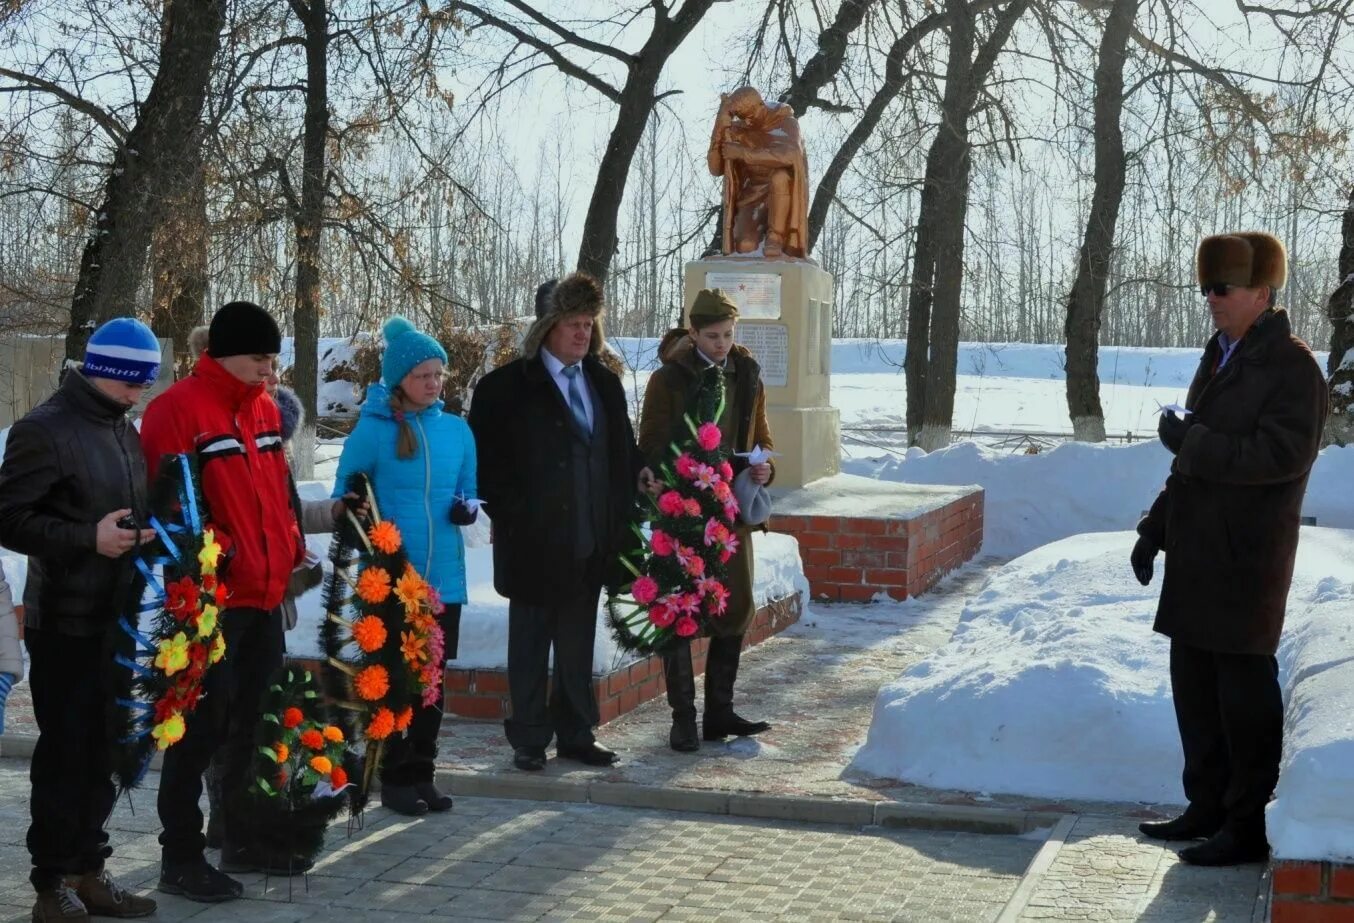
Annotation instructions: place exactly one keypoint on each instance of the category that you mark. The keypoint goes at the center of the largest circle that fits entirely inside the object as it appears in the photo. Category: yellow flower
(218, 649)
(210, 553)
(173, 655)
(206, 622)
(333, 734)
(168, 732)
(322, 765)
(413, 649)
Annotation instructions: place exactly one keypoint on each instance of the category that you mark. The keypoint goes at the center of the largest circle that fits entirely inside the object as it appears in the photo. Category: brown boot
(104, 897)
(59, 905)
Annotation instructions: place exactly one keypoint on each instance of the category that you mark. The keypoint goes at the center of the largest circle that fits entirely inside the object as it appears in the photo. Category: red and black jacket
(235, 431)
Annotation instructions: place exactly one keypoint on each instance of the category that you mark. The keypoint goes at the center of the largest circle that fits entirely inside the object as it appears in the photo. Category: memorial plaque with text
(757, 294)
(770, 346)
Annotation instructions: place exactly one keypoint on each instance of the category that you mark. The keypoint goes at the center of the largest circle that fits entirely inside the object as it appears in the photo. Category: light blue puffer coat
(417, 493)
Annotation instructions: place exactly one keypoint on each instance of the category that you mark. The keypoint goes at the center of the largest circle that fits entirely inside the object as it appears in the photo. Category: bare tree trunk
(179, 264)
(309, 222)
(636, 103)
(932, 356)
(1087, 298)
(148, 167)
(1340, 365)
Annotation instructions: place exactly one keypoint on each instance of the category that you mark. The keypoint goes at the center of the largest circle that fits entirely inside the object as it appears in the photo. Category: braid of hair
(406, 444)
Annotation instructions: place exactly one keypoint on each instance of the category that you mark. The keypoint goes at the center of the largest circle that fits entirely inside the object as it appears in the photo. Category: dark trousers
(71, 770)
(226, 719)
(1230, 711)
(571, 714)
(411, 757)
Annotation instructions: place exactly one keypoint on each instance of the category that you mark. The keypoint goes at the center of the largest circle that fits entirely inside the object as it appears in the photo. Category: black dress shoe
(436, 799)
(717, 727)
(531, 759)
(1228, 847)
(683, 737)
(590, 754)
(1192, 825)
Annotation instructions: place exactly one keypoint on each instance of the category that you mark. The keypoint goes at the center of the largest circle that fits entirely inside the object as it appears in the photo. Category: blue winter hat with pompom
(406, 347)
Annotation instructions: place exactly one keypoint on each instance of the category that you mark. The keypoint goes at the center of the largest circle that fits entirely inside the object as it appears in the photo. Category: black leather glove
(1141, 559)
(1171, 430)
(462, 514)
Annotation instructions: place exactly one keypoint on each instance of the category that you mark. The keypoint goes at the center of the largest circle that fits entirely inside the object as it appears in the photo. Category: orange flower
(385, 537)
(411, 589)
(292, 717)
(321, 765)
(312, 739)
(282, 751)
(333, 735)
(373, 585)
(372, 683)
(369, 632)
(413, 648)
(382, 723)
(338, 778)
(403, 718)
(421, 620)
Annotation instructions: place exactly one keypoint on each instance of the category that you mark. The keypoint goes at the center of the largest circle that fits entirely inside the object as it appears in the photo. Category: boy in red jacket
(222, 414)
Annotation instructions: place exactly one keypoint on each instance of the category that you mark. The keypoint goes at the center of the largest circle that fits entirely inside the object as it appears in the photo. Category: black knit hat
(242, 328)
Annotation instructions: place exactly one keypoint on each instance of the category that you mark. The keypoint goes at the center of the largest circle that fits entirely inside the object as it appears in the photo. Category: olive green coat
(671, 390)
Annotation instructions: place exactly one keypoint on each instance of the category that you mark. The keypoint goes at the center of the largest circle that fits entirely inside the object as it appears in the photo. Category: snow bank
(1054, 685)
(1076, 487)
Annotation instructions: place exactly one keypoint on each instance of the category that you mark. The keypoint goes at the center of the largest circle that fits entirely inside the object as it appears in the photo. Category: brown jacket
(671, 391)
(1228, 515)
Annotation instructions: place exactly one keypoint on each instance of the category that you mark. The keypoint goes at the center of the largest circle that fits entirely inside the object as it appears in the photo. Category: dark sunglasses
(1217, 288)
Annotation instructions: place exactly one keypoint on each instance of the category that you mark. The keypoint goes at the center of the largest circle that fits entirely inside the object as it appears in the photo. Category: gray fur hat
(754, 502)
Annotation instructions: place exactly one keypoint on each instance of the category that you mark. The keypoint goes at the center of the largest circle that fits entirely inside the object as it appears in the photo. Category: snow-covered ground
(1054, 685)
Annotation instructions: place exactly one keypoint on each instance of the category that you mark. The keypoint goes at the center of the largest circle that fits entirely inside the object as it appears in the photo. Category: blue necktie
(576, 397)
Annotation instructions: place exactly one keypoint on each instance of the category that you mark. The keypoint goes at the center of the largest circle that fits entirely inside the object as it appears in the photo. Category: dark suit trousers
(1230, 711)
(570, 628)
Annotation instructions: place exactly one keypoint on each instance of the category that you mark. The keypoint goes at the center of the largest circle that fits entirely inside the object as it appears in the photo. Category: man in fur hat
(1228, 522)
(558, 472)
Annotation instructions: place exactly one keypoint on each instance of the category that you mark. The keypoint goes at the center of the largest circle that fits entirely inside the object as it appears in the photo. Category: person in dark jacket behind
(1228, 521)
(72, 477)
(222, 414)
(558, 467)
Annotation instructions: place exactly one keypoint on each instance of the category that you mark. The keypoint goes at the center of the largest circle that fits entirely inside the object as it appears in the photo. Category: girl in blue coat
(421, 463)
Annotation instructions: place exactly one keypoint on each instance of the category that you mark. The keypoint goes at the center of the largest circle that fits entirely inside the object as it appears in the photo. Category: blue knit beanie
(123, 349)
(406, 347)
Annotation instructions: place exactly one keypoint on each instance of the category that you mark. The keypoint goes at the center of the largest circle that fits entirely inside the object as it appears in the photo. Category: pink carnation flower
(708, 436)
(645, 590)
(662, 543)
(723, 493)
(696, 566)
(726, 470)
(670, 504)
(685, 464)
(689, 603)
(692, 506)
(686, 627)
(661, 614)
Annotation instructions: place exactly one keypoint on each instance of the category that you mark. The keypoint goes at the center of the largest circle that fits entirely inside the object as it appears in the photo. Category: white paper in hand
(758, 455)
(471, 504)
(1175, 409)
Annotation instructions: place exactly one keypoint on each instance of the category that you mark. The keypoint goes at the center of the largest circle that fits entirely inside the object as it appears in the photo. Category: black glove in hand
(1141, 559)
(1171, 430)
(462, 514)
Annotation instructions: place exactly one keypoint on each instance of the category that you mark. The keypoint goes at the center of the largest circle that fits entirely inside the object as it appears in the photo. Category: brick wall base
(853, 559)
(476, 693)
(1311, 892)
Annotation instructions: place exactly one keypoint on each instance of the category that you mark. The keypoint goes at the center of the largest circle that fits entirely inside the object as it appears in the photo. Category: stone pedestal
(785, 319)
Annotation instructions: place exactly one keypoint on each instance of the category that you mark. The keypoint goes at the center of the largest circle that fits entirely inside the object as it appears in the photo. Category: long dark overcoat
(522, 434)
(1229, 513)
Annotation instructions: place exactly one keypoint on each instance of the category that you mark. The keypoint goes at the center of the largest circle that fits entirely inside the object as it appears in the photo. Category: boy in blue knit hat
(73, 474)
